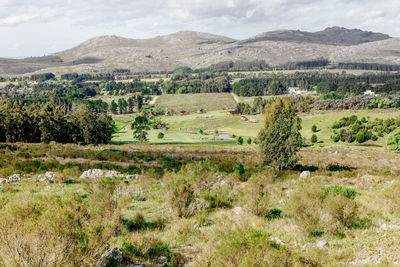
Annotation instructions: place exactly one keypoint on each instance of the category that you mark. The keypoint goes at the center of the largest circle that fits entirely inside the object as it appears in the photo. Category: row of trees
(32, 123)
(122, 106)
(259, 87)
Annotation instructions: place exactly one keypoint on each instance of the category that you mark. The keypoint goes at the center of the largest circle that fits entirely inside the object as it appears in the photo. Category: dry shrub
(246, 246)
(150, 249)
(71, 229)
(320, 211)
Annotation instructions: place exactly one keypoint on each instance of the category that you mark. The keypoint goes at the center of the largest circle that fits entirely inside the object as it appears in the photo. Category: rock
(131, 177)
(162, 261)
(97, 173)
(238, 210)
(276, 240)
(115, 257)
(390, 227)
(11, 179)
(321, 244)
(305, 174)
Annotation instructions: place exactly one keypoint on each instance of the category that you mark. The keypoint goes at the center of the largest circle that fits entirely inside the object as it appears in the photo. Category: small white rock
(321, 244)
(276, 240)
(238, 210)
(390, 227)
(305, 174)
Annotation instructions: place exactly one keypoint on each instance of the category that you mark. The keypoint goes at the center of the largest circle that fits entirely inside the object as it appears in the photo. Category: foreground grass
(191, 206)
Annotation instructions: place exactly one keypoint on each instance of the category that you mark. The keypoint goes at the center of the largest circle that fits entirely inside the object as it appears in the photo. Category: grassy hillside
(189, 206)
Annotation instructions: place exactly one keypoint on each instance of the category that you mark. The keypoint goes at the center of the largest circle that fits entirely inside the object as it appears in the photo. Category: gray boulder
(115, 257)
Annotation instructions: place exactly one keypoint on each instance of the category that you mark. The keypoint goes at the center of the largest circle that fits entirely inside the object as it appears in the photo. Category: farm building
(184, 112)
(233, 113)
(155, 114)
(161, 126)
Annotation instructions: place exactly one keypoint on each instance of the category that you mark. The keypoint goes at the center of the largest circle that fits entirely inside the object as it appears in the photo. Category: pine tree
(139, 127)
(280, 139)
(114, 107)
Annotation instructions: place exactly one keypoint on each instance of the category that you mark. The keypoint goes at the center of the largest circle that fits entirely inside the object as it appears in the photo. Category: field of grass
(192, 102)
(189, 207)
(185, 129)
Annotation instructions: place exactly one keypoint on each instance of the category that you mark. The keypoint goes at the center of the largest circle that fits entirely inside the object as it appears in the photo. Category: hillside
(330, 36)
(195, 49)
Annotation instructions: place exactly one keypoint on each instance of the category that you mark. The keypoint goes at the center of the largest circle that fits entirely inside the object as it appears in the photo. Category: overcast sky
(37, 27)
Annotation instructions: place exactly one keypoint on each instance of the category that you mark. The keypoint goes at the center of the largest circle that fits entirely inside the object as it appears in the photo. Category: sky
(42, 27)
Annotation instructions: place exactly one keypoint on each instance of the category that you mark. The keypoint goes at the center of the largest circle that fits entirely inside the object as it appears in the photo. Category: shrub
(340, 190)
(160, 135)
(246, 246)
(394, 142)
(314, 138)
(240, 140)
(314, 128)
(360, 138)
(249, 141)
(183, 196)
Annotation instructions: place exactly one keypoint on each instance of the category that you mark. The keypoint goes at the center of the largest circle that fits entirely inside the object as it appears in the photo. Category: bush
(340, 190)
(360, 138)
(249, 141)
(394, 142)
(314, 128)
(240, 140)
(160, 135)
(246, 246)
(314, 138)
(318, 211)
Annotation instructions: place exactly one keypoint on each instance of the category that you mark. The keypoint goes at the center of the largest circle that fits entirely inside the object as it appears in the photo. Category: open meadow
(192, 102)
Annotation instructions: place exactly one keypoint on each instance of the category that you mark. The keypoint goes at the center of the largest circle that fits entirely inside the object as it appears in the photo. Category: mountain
(196, 50)
(330, 36)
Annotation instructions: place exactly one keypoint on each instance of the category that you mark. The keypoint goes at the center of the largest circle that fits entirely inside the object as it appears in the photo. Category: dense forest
(21, 122)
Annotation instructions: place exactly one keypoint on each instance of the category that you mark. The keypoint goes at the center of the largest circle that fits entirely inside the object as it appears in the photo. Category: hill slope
(195, 49)
(330, 36)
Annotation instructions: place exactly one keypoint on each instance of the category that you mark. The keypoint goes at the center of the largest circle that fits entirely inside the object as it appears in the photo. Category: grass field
(185, 129)
(192, 102)
(189, 207)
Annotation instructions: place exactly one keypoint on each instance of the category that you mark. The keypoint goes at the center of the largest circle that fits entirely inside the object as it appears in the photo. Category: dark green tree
(114, 107)
(280, 139)
(314, 138)
(139, 127)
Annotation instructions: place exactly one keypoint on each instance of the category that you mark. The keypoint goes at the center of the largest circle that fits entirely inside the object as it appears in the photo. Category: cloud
(68, 22)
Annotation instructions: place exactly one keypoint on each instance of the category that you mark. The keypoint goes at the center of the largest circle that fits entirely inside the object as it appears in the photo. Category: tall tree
(280, 139)
(139, 127)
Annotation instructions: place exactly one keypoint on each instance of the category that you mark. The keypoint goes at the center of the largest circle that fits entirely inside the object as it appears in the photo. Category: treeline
(302, 104)
(323, 82)
(383, 101)
(368, 66)
(259, 87)
(35, 123)
(87, 77)
(208, 82)
(122, 106)
(255, 65)
(136, 86)
(316, 63)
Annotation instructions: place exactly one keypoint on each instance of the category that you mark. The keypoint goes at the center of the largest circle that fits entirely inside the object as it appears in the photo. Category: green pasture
(185, 129)
(192, 102)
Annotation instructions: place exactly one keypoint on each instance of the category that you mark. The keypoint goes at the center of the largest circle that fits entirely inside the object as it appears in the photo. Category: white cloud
(35, 24)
